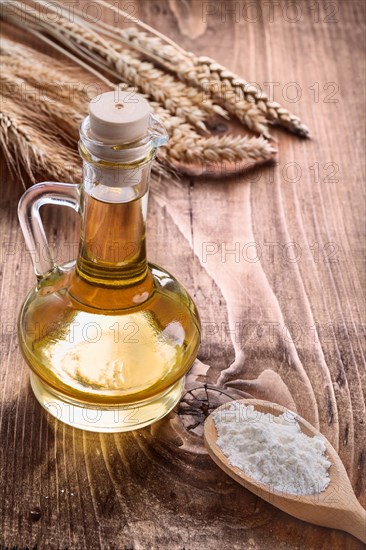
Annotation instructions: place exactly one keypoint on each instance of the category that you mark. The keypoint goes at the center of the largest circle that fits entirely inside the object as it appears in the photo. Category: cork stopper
(119, 117)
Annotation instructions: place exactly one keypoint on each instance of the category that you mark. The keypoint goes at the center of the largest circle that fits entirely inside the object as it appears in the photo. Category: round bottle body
(99, 365)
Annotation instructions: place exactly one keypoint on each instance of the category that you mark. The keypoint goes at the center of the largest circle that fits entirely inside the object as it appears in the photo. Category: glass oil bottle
(109, 337)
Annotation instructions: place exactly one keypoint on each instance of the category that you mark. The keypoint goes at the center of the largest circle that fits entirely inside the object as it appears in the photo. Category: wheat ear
(185, 145)
(28, 149)
(184, 101)
(205, 73)
(179, 98)
(246, 111)
(224, 86)
(239, 97)
(58, 81)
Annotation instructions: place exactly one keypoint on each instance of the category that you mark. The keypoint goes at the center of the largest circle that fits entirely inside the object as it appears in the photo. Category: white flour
(273, 450)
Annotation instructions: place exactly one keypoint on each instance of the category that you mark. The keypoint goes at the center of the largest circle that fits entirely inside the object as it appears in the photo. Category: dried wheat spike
(55, 80)
(186, 146)
(217, 149)
(57, 112)
(165, 88)
(151, 45)
(27, 149)
(234, 92)
(246, 111)
(178, 97)
(205, 72)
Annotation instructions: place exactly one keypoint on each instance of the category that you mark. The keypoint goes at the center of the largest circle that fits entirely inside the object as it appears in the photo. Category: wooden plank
(297, 326)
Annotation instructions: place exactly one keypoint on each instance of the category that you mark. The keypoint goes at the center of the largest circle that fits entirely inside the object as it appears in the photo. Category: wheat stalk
(39, 122)
(30, 79)
(182, 136)
(205, 73)
(187, 102)
(172, 59)
(22, 65)
(180, 99)
(134, 71)
(200, 151)
(55, 81)
(239, 97)
(243, 106)
(185, 145)
(152, 47)
(58, 113)
(226, 88)
(249, 104)
(28, 149)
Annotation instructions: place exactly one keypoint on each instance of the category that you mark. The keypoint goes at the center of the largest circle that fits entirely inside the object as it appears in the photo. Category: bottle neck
(112, 250)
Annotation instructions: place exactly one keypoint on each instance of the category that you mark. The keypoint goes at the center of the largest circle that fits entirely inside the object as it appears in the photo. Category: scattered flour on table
(273, 449)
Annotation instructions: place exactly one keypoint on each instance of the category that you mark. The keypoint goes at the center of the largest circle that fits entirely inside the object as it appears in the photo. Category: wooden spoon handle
(354, 522)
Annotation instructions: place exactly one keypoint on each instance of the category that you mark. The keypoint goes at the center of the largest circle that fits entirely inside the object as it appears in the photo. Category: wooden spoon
(336, 507)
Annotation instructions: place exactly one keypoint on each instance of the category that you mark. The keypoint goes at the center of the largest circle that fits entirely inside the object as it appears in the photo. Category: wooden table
(287, 313)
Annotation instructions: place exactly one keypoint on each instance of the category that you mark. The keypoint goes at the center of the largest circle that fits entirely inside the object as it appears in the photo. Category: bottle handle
(48, 192)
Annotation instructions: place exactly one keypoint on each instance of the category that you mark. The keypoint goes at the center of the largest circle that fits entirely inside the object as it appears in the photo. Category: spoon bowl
(336, 507)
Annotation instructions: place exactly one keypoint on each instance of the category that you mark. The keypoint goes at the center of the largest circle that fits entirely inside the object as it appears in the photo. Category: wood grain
(295, 313)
